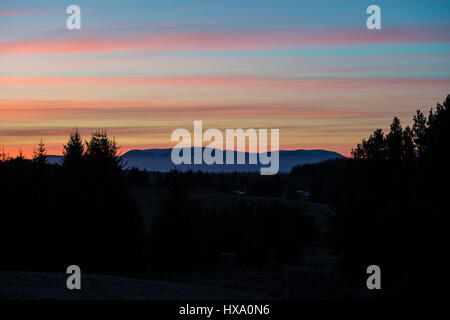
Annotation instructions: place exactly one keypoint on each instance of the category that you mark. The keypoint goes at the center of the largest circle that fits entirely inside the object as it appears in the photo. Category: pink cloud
(27, 13)
(214, 41)
(235, 80)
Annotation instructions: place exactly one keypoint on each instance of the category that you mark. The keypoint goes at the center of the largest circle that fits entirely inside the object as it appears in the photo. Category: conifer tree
(40, 154)
(73, 151)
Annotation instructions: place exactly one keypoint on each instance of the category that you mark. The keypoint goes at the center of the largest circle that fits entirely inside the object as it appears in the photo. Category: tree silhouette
(398, 145)
(20, 155)
(40, 154)
(408, 147)
(372, 149)
(73, 151)
(392, 207)
(4, 156)
(103, 151)
(113, 234)
(420, 133)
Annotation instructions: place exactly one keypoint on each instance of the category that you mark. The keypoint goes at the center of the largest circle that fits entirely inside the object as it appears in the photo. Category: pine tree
(40, 154)
(4, 156)
(420, 133)
(103, 151)
(408, 146)
(20, 155)
(73, 151)
(372, 149)
(394, 140)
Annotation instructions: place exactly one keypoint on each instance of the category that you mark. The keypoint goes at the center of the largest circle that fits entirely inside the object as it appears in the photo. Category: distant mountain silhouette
(160, 160)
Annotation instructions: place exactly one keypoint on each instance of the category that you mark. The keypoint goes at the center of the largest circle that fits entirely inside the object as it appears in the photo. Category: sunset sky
(141, 69)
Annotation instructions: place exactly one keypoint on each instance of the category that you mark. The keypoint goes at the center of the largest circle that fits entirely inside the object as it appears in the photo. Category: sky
(141, 69)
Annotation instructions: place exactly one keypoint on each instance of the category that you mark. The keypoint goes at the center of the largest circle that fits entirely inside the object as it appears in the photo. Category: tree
(40, 154)
(4, 156)
(438, 132)
(394, 141)
(372, 149)
(20, 155)
(395, 210)
(103, 151)
(408, 146)
(73, 151)
(398, 145)
(113, 232)
(419, 130)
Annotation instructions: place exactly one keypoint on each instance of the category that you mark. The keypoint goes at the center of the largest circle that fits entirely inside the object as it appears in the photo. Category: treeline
(392, 205)
(80, 212)
(83, 211)
(319, 179)
(322, 179)
(251, 184)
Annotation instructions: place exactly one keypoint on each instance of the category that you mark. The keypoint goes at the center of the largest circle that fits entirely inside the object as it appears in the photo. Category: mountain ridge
(159, 159)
